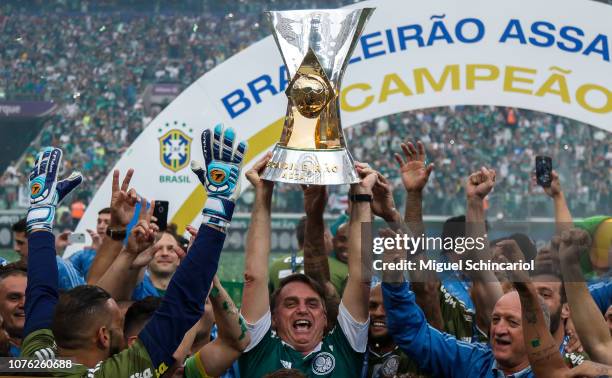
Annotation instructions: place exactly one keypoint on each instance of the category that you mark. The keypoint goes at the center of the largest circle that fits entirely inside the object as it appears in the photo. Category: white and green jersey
(340, 354)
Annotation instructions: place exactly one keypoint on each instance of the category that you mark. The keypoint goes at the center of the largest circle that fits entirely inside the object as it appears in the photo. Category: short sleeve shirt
(339, 355)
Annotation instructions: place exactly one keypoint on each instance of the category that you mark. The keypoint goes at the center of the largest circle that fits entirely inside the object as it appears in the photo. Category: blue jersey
(68, 276)
(145, 289)
(436, 353)
(601, 292)
(82, 261)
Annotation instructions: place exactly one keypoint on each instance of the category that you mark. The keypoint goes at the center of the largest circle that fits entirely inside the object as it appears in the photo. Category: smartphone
(161, 213)
(76, 238)
(543, 171)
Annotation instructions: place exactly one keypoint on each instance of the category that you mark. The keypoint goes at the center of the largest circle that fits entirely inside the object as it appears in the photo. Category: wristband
(117, 234)
(360, 197)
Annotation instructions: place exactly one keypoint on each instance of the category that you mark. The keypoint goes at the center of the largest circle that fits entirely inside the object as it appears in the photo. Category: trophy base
(311, 167)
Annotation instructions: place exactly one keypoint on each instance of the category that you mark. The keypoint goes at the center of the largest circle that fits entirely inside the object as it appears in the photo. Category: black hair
(106, 210)
(20, 226)
(525, 244)
(77, 310)
(297, 277)
(454, 227)
(138, 314)
(15, 268)
(549, 271)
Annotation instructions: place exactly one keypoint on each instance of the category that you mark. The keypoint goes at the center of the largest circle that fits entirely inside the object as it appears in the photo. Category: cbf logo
(175, 150)
(323, 364)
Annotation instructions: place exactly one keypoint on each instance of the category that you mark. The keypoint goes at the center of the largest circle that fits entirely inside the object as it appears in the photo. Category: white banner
(547, 55)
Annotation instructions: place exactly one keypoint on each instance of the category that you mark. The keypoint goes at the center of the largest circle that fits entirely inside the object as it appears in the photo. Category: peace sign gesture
(123, 201)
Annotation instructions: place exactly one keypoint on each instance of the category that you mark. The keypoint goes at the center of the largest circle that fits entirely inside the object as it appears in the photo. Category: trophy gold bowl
(316, 46)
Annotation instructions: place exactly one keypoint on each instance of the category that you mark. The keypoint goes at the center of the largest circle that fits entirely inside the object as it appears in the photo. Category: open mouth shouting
(302, 325)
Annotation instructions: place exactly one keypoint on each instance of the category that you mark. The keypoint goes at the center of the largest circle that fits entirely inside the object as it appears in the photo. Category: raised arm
(233, 337)
(590, 324)
(316, 265)
(563, 217)
(486, 289)
(356, 293)
(435, 352)
(123, 204)
(542, 349)
(255, 300)
(45, 194)
(122, 276)
(183, 303)
(415, 174)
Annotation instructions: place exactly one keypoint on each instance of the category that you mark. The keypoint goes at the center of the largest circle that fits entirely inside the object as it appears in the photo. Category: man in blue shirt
(68, 276)
(440, 354)
(83, 259)
(160, 270)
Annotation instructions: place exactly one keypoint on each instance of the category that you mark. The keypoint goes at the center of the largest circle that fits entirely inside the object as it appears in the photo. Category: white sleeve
(259, 330)
(356, 333)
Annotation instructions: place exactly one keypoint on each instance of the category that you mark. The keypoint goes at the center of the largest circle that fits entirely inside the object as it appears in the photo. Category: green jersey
(281, 268)
(391, 364)
(458, 319)
(340, 353)
(133, 362)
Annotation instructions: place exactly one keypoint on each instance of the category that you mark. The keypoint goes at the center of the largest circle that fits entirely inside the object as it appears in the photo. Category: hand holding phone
(543, 171)
(76, 238)
(161, 213)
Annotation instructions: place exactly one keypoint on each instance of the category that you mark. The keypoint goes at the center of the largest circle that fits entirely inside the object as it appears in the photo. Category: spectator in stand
(95, 61)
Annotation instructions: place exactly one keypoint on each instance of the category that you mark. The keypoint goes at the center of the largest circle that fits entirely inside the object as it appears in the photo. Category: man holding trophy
(289, 330)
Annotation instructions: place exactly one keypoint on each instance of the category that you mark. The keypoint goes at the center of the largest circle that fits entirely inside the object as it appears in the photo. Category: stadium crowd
(95, 59)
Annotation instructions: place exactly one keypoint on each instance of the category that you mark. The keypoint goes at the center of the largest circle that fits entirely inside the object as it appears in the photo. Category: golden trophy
(316, 46)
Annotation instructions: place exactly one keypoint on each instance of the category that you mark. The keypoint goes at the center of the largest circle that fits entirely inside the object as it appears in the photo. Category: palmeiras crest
(175, 150)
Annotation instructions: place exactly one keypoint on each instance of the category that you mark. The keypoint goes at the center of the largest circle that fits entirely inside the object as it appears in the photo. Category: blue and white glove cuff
(40, 218)
(218, 211)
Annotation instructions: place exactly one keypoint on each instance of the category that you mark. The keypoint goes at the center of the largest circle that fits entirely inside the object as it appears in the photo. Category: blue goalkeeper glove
(46, 192)
(221, 176)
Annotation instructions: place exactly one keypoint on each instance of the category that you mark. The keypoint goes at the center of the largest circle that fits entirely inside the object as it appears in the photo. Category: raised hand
(480, 183)
(383, 204)
(143, 233)
(123, 201)
(96, 239)
(573, 243)
(220, 175)
(368, 179)
(254, 174)
(145, 257)
(46, 192)
(554, 189)
(414, 172)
